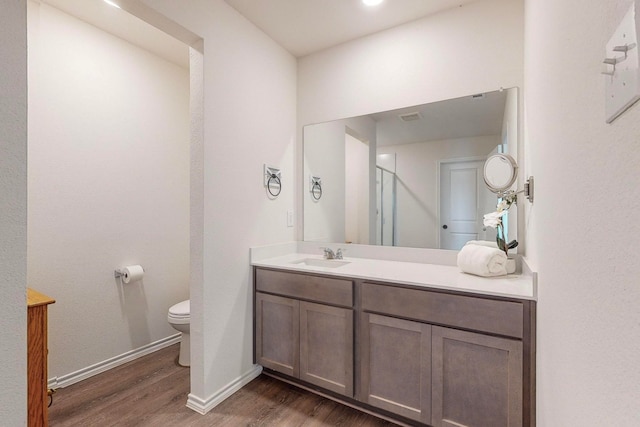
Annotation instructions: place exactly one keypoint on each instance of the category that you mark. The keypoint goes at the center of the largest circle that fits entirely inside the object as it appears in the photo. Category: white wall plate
(622, 75)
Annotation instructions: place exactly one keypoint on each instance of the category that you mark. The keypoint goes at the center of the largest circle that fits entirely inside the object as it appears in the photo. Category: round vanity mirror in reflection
(500, 172)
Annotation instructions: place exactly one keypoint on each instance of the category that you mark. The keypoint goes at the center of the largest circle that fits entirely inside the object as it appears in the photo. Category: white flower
(503, 205)
(494, 219)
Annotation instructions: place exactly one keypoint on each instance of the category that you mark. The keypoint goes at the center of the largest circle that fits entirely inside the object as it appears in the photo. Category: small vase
(511, 265)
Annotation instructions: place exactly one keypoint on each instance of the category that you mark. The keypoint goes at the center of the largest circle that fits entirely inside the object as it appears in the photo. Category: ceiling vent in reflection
(409, 117)
(478, 96)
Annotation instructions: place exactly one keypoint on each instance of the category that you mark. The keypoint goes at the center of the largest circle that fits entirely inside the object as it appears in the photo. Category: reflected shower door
(385, 207)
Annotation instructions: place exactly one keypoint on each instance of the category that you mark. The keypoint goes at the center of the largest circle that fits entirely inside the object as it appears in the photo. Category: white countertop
(411, 273)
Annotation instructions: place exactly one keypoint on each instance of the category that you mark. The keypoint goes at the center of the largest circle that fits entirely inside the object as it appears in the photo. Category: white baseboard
(202, 406)
(98, 368)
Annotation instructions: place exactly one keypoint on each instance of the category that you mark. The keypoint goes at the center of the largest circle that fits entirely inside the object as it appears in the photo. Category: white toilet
(180, 317)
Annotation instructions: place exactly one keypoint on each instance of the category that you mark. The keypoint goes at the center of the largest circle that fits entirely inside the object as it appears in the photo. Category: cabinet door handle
(445, 226)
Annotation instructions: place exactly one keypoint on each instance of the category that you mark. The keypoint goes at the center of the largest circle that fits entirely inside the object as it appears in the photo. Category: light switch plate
(623, 77)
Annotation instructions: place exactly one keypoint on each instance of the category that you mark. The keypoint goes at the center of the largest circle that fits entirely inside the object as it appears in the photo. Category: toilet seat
(180, 313)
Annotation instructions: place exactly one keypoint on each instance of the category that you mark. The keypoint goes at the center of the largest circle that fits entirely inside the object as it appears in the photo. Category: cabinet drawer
(302, 286)
(479, 314)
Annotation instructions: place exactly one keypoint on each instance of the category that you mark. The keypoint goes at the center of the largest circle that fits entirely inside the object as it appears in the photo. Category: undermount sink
(315, 262)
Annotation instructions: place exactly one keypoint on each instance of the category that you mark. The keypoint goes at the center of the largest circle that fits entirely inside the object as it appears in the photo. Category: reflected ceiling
(475, 115)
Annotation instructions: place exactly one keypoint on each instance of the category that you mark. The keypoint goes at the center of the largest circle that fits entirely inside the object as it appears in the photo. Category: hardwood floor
(152, 391)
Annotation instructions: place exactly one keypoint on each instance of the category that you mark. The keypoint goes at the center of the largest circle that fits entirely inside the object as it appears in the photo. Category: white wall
(356, 190)
(583, 231)
(249, 119)
(417, 186)
(108, 187)
(13, 213)
(324, 156)
(470, 49)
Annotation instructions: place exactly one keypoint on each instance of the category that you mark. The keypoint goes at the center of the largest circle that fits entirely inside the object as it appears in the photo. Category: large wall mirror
(411, 177)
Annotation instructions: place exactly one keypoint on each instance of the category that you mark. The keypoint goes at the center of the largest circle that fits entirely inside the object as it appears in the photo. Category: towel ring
(316, 190)
(276, 180)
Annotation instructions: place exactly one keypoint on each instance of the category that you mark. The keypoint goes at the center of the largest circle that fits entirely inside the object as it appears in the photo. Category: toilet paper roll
(132, 273)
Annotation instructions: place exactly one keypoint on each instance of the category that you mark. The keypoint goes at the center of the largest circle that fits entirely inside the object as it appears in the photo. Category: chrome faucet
(329, 254)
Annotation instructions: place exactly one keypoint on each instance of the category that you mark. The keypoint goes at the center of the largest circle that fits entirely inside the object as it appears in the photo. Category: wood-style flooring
(152, 391)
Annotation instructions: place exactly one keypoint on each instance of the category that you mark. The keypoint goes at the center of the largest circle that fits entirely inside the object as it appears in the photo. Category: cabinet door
(37, 365)
(477, 380)
(277, 333)
(396, 366)
(326, 347)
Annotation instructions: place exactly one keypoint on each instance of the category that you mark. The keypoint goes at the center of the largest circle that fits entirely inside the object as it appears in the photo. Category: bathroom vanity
(432, 347)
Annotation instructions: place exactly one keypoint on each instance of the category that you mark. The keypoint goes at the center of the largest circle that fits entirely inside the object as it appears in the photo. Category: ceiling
(306, 26)
(300, 26)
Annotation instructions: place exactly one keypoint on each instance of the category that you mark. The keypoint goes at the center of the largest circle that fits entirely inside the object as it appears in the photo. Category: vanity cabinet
(462, 356)
(476, 379)
(277, 333)
(326, 347)
(304, 328)
(395, 366)
(421, 356)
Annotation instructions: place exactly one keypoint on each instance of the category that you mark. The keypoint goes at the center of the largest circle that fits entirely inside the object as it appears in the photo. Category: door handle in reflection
(445, 226)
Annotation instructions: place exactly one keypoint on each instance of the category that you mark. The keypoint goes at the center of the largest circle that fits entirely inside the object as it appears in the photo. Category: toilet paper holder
(122, 273)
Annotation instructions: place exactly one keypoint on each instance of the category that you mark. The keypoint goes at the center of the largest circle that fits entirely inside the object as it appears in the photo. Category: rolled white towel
(487, 243)
(482, 261)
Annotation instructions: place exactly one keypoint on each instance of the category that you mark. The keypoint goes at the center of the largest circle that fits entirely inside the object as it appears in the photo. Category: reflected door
(464, 199)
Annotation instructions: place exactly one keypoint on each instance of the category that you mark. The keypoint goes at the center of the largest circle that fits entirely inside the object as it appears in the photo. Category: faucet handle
(328, 253)
(339, 253)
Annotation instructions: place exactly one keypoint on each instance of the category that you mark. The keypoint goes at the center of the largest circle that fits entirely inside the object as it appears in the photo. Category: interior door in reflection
(464, 199)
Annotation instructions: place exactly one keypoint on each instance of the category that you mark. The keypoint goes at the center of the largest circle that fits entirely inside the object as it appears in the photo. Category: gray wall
(13, 212)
